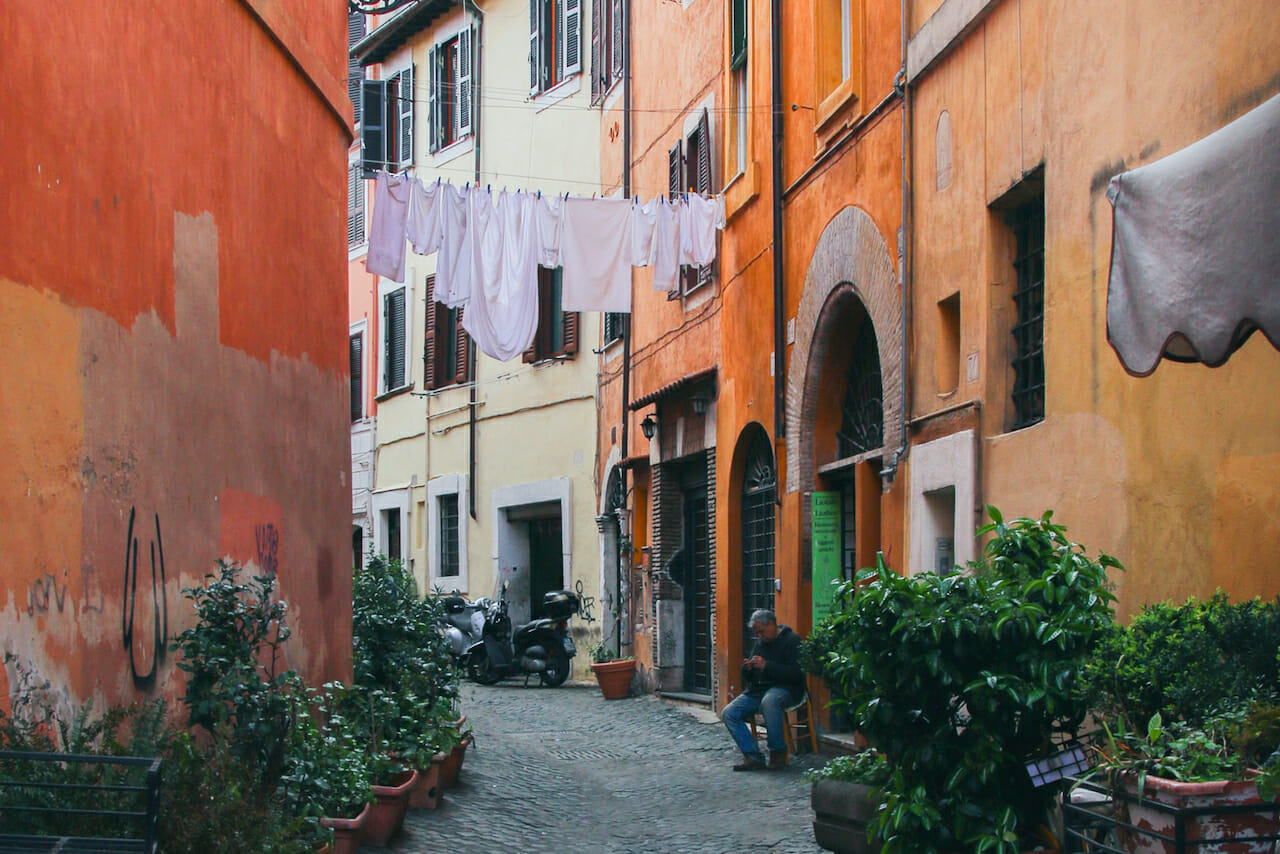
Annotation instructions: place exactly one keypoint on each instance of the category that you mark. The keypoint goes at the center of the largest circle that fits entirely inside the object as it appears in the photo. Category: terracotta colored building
(171, 289)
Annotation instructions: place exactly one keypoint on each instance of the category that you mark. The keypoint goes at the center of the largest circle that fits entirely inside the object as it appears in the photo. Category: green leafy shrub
(867, 767)
(326, 770)
(961, 679)
(1188, 662)
(235, 687)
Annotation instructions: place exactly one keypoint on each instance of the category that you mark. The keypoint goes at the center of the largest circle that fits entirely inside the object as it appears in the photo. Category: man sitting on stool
(774, 681)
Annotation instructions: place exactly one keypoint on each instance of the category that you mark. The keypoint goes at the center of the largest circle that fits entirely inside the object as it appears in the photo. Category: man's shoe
(778, 759)
(750, 763)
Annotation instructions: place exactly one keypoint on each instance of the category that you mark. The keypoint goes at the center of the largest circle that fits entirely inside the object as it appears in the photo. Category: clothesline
(490, 245)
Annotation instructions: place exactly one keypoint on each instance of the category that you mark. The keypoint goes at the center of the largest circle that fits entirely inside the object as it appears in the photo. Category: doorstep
(839, 743)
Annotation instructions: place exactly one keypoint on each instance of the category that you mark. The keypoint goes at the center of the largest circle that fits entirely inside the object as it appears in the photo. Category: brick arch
(851, 254)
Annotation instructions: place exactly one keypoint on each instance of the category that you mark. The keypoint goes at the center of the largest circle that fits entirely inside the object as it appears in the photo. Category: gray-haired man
(774, 681)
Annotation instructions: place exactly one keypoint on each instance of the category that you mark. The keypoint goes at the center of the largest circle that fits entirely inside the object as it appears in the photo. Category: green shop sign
(824, 535)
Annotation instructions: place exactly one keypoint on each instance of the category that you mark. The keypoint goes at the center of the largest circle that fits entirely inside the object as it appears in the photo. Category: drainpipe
(477, 64)
(905, 253)
(775, 61)
(626, 322)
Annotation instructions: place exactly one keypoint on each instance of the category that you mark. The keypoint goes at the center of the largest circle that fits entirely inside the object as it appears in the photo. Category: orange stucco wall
(170, 293)
(1176, 473)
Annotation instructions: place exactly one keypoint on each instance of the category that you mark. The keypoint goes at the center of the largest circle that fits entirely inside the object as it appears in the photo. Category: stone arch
(851, 254)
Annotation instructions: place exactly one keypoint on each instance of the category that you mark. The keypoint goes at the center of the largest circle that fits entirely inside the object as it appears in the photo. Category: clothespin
(437, 180)
(539, 194)
(488, 188)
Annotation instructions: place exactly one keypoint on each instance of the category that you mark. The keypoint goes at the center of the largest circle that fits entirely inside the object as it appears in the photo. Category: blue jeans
(774, 703)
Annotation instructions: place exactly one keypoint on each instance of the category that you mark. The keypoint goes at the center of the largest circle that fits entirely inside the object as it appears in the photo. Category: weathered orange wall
(170, 292)
(1176, 473)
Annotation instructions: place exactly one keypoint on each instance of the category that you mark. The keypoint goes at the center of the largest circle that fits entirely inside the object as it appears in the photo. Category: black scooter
(543, 647)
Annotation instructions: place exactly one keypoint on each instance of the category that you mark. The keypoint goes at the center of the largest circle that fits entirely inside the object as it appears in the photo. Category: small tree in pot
(962, 679)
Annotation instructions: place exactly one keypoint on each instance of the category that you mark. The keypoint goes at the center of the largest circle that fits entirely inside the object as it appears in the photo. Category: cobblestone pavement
(563, 771)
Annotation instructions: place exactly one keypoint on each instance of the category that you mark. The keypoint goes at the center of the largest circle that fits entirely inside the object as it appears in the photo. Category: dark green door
(546, 563)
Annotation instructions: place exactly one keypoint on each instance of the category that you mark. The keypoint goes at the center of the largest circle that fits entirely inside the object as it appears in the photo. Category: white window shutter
(463, 87)
(572, 10)
(406, 117)
(433, 100)
(535, 47)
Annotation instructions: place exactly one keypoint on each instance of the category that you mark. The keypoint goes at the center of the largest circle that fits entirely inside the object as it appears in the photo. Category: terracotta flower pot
(386, 813)
(614, 677)
(426, 794)
(1226, 826)
(346, 832)
(452, 764)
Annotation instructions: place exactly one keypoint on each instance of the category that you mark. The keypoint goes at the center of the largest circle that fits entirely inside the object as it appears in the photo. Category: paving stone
(564, 771)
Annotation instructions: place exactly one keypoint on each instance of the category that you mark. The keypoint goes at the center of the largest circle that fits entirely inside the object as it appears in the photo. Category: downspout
(775, 61)
(626, 322)
(477, 64)
(905, 248)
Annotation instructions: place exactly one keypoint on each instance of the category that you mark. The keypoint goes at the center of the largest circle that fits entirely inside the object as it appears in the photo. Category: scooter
(463, 623)
(542, 647)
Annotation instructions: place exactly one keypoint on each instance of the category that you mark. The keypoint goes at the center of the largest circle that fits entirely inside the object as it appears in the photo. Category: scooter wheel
(557, 668)
(482, 671)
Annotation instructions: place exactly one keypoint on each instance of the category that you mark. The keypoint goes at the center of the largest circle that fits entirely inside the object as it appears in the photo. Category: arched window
(759, 485)
(862, 418)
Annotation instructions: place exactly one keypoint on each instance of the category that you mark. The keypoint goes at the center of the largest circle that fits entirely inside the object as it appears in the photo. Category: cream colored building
(482, 471)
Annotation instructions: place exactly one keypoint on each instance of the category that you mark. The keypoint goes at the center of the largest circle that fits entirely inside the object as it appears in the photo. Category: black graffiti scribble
(267, 540)
(586, 603)
(43, 591)
(144, 681)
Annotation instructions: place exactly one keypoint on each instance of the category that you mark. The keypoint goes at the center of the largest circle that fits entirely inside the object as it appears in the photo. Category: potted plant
(845, 799)
(459, 738)
(1190, 700)
(392, 783)
(613, 673)
(962, 679)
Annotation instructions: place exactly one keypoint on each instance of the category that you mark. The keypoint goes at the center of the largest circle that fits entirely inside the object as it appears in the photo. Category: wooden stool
(796, 717)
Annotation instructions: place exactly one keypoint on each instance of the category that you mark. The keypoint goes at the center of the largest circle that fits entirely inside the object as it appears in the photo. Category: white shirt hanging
(387, 223)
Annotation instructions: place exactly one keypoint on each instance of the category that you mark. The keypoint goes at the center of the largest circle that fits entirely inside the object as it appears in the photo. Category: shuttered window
(355, 71)
(449, 91)
(689, 170)
(614, 324)
(355, 206)
(373, 143)
(386, 132)
(357, 377)
(557, 334)
(393, 327)
(607, 32)
(555, 42)
(738, 34)
(447, 347)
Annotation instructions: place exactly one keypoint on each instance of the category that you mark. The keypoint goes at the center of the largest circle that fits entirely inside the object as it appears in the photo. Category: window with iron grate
(758, 489)
(1027, 224)
(449, 552)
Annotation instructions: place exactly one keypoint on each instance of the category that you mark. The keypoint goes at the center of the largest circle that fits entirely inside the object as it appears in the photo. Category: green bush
(1187, 662)
(961, 679)
(867, 767)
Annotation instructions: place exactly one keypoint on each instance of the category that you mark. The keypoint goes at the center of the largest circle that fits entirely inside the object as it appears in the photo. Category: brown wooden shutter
(429, 348)
(542, 337)
(569, 319)
(461, 350)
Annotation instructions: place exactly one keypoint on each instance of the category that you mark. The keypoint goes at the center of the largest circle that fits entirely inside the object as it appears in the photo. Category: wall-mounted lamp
(649, 426)
(700, 403)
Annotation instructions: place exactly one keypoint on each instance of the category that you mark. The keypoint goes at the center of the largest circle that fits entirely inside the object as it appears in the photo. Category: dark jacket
(781, 664)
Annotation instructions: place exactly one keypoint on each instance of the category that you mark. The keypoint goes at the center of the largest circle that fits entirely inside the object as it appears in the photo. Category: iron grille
(758, 489)
(848, 530)
(1027, 223)
(862, 419)
(698, 668)
(449, 536)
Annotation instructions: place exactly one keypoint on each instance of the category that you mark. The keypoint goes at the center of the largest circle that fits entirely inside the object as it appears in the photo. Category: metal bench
(78, 804)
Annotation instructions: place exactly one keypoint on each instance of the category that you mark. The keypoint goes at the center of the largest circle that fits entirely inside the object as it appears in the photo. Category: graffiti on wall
(159, 607)
(585, 603)
(45, 593)
(266, 538)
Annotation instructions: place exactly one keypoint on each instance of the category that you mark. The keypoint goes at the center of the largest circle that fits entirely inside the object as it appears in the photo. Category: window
(449, 552)
(449, 94)
(557, 330)
(355, 71)
(947, 355)
(838, 38)
(606, 46)
(386, 132)
(391, 534)
(446, 354)
(357, 377)
(613, 326)
(555, 42)
(689, 170)
(738, 96)
(1027, 224)
(355, 206)
(394, 328)
(758, 487)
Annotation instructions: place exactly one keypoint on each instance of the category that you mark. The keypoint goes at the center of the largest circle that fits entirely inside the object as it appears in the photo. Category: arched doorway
(614, 562)
(759, 490)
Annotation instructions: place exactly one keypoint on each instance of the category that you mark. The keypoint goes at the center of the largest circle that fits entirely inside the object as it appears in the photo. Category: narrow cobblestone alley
(564, 771)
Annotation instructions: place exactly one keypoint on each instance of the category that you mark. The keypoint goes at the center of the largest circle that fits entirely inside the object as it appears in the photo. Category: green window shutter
(393, 336)
(373, 154)
(355, 71)
(357, 377)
